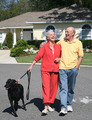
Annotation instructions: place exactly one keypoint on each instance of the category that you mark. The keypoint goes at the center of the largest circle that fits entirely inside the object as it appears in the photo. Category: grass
(26, 59)
(87, 59)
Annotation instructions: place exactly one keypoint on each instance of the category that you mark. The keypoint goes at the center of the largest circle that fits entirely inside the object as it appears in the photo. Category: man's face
(69, 33)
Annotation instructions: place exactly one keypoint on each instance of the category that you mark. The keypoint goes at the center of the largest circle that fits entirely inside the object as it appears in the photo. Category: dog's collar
(16, 82)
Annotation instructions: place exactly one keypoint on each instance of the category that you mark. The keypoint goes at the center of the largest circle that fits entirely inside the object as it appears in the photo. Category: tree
(11, 8)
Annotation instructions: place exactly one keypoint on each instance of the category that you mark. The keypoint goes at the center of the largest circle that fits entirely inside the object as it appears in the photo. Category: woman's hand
(57, 60)
(30, 68)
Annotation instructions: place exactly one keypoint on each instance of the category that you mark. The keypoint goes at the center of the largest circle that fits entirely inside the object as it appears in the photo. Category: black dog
(15, 93)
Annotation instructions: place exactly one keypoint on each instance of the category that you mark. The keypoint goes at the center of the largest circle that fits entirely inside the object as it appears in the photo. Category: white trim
(17, 27)
(69, 21)
(14, 37)
(21, 34)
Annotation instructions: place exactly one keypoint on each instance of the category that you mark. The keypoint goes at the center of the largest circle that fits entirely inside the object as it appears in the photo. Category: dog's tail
(28, 88)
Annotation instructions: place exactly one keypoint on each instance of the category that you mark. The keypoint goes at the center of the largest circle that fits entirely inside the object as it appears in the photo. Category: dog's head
(10, 83)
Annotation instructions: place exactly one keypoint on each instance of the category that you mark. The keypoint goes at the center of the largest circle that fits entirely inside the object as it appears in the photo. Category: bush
(34, 47)
(9, 39)
(16, 51)
(19, 47)
(21, 43)
(36, 43)
(0, 45)
(87, 43)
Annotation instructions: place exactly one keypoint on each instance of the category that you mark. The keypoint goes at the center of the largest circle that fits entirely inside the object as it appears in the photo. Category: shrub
(21, 43)
(36, 43)
(16, 51)
(0, 45)
(87, 43)
(9, 39)
(19, 47)
(34, 47)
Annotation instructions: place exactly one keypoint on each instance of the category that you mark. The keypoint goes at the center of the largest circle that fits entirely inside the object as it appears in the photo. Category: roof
(71, 13)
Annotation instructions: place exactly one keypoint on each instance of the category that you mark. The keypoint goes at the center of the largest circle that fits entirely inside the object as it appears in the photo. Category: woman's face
(51, 37)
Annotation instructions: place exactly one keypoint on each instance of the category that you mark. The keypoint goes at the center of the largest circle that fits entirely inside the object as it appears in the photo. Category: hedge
(36, 43)
(87, 43)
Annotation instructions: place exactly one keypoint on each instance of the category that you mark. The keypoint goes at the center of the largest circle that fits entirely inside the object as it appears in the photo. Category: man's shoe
(69, 108)
(44, 112)
(50, 109)
(63, 112)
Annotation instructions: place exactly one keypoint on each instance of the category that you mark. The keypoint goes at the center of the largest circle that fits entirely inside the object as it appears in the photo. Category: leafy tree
(11, 8)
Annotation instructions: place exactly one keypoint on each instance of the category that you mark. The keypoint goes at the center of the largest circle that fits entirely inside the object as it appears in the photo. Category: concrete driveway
(5, 57)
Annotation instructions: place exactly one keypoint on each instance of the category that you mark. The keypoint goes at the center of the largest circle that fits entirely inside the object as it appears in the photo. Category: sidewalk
(5, 57)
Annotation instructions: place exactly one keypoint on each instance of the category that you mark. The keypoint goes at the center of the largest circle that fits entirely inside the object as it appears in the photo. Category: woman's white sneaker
(50, 109)
(44, 112)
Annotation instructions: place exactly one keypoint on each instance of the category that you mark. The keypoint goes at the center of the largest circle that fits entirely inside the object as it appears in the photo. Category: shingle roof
(73, 12)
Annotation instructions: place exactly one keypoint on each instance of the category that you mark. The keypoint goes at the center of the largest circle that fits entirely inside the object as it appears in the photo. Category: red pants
(49, 86)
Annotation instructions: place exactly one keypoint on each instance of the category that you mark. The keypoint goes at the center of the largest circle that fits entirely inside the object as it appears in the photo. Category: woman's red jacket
(48, 57)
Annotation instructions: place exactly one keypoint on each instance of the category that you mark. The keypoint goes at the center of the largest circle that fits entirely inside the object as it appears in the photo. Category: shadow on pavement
(10, 111)
(39, 104)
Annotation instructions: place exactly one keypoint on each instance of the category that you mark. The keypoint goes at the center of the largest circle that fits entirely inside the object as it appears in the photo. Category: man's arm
(79, 62)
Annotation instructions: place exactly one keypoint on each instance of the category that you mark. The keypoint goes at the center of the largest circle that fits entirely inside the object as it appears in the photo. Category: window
(50, 27)
(86, 31)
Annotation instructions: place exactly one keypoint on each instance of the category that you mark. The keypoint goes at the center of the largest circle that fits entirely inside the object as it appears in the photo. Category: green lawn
(87, 59)
(26, 59)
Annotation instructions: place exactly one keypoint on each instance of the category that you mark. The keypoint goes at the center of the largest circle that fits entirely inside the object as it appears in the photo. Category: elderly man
(72, 53)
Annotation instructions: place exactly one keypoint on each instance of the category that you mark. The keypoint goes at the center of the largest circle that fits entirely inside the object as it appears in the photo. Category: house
(33, 25)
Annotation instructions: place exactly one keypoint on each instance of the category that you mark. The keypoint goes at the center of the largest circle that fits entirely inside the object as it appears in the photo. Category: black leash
(28, 88)
(22, 76)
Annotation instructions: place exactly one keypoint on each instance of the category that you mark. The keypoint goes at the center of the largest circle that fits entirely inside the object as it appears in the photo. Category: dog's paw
(24, 108)
(14, 114)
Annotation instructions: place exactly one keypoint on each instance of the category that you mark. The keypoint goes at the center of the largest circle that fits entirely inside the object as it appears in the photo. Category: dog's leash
(28, 88)
(22, 76)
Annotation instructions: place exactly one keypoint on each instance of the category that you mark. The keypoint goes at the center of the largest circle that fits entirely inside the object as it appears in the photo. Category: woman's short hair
(48, 32)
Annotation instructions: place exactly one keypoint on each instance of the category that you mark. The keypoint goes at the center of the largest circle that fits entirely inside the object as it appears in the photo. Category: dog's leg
(23, 106)
(16, 105)
(14, 111)
(12, 105)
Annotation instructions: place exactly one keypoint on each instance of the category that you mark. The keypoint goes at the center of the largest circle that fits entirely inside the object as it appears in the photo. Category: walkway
(5, 57)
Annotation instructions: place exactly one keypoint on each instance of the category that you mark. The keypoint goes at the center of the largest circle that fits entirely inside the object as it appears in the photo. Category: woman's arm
(33, 63)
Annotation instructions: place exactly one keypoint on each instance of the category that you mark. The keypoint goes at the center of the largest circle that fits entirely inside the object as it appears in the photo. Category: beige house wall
(18, 32)
(5, 31)
(39, 30)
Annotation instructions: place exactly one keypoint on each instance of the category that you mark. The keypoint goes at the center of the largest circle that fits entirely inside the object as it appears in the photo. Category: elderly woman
(50, 54)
